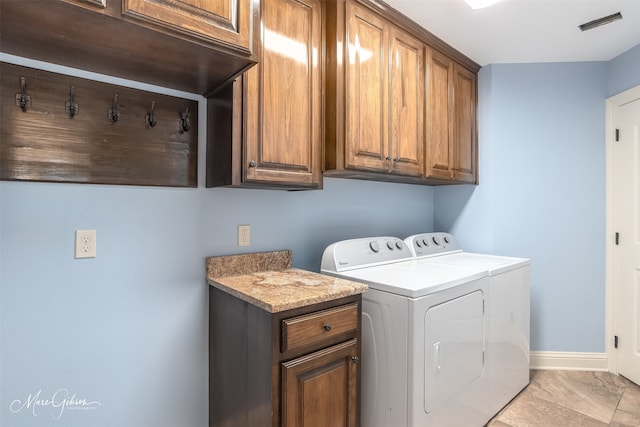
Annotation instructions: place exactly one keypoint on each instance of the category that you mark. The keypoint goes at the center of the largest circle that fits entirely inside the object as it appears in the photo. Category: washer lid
(413, 279)
(492, 263)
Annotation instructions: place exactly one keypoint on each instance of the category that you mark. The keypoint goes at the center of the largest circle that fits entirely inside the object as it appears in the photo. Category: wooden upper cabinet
(365, 79)
(439, 153)
(217, 21)
(451, 153)
(276, 117)
(196, 46)
(375, 95)
(464, 130)
(284, 96)
(406, 117)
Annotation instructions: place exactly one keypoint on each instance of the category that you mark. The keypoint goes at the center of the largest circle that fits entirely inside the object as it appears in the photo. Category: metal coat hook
(71, 107)
(22, 99)
(184, 121)
(114, 113)
(150, 117)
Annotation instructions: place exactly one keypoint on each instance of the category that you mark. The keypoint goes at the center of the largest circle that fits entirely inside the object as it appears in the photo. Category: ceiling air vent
(600, 21)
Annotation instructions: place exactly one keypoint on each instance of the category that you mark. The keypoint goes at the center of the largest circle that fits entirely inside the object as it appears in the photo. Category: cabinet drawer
(316, 327)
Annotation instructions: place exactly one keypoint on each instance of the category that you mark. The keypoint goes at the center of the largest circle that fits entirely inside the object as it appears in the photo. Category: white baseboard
(553, 360)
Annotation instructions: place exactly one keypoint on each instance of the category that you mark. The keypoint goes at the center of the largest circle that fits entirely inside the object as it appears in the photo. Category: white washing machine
(424, 335)
(508, 308)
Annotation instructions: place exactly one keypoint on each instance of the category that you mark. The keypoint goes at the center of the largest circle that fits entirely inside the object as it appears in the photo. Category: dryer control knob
(399, 245)
(374, 246)
(435, 240)
(390, 245)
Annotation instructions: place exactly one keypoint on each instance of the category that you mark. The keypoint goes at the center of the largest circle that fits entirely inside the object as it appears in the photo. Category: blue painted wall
(624, 71)
(542, 189)
(128, 329)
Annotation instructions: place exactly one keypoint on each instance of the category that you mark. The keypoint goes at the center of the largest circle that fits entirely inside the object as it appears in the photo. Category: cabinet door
(366, 144)
(283, 96)
(439, 153)
(217, 21)
(407, 104)
(320, 389)
(464, 129)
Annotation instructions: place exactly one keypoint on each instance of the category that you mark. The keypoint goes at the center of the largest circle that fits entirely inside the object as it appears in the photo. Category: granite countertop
(267, 280)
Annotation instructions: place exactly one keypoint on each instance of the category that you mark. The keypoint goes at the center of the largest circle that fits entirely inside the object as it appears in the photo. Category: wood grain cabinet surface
(191, 45)
(451, 120)
(382, 121)
(218, 22)
(266, 130)
(375, 95)
(263, 372)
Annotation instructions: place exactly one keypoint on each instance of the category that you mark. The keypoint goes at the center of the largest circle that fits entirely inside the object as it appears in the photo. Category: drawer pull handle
(327, 327)
(355, 360)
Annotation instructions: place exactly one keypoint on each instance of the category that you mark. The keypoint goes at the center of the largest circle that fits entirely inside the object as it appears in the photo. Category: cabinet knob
(252, 164)
(388, 158)
(355, 359)
(397, 159)
(327, 327)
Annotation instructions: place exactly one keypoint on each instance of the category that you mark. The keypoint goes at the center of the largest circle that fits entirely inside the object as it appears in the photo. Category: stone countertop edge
(278, 287)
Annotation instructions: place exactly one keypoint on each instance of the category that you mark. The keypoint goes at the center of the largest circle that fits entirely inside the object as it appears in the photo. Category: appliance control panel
(432, 244)
(364, 252)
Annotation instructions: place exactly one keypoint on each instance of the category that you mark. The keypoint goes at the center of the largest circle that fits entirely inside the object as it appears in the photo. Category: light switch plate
(244, 235)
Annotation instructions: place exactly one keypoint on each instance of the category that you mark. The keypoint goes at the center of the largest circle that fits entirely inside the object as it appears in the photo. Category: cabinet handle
(327, 327)
(252, 164)
(355, 359)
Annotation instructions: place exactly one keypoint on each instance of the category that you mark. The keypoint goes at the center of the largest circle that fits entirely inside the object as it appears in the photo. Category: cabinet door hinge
(617, 238)
(617, 135)
(615, 341)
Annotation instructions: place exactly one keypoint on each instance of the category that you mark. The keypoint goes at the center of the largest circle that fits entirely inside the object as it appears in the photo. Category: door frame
(611, 290)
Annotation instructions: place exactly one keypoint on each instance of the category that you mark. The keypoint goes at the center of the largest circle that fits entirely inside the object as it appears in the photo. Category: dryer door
(454, 335)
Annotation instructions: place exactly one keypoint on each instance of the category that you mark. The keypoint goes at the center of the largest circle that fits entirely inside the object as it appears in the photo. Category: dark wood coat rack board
(59, 128)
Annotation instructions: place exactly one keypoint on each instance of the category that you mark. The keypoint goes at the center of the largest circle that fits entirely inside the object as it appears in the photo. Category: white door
(625, 215)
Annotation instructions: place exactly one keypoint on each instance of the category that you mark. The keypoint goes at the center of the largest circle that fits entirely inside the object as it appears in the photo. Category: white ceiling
(516, 31)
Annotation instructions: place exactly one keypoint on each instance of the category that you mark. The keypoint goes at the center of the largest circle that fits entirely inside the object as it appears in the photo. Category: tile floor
(573, 398)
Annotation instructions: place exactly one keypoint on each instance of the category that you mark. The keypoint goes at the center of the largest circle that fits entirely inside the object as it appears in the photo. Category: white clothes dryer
(508, 309)
(424, 335)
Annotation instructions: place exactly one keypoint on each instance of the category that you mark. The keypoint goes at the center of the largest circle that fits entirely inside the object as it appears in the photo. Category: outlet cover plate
(85, 243)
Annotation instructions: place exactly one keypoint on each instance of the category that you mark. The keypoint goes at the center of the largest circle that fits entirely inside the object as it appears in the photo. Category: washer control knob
(418, 244)
(436, 240)
(446, 239)
(390, 245)
(425, 242)
(374, 246)
(399, 245)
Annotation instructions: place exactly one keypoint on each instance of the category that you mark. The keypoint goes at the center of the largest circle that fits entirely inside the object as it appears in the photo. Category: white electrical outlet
(85, 243)
(244, 235)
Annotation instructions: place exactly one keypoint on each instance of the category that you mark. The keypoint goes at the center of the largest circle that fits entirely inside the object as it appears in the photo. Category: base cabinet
(318, 390)
(297, 368)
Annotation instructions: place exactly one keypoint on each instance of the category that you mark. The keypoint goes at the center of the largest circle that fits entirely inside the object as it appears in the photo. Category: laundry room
(122, 337)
